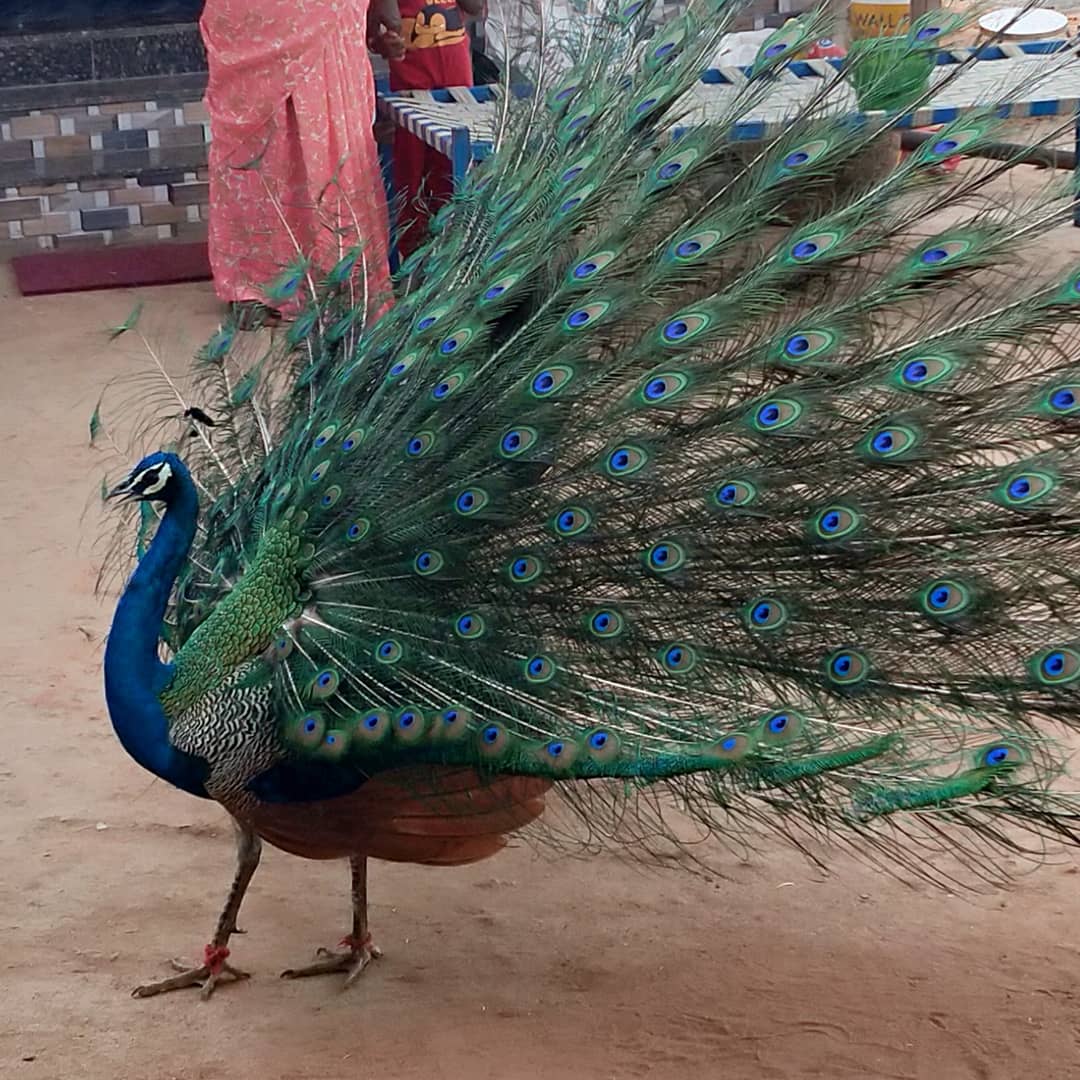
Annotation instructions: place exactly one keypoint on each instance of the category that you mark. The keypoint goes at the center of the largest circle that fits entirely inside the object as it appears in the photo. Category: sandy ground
(516, 968)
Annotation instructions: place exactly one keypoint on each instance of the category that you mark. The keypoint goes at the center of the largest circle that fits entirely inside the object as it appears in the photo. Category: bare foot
(251, 315)
(207, 976)
(360, 953)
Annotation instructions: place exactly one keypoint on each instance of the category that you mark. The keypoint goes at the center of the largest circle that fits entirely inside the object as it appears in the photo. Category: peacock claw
(206, 977)
(353, 962)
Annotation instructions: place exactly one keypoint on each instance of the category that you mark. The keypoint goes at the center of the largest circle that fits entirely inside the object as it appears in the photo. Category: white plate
(1039, 22)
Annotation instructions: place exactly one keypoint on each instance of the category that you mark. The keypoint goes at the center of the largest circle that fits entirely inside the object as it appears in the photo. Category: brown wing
(437, 816)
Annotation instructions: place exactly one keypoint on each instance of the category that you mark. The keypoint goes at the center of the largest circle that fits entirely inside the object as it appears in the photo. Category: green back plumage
(672, 464)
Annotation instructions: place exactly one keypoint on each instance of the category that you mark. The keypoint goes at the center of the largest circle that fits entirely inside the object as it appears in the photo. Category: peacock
(680, 493)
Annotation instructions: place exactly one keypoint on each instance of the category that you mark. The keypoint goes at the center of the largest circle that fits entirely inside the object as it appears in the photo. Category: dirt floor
(516, 968)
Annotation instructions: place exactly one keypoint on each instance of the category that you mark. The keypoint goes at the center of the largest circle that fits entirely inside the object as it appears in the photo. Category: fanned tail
(678, 472)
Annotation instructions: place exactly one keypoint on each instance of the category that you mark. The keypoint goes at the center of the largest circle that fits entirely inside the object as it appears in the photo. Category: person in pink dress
(294, 169)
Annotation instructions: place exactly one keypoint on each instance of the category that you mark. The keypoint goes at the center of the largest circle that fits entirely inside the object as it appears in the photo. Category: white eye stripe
(164, 471)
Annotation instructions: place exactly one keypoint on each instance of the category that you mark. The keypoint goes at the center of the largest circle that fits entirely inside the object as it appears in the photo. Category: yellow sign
(869, 18)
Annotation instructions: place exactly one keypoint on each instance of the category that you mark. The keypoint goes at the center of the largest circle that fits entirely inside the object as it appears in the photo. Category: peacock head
(157, 478)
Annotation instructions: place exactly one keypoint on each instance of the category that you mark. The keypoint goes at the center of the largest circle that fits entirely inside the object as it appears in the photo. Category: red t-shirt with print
(437, 48)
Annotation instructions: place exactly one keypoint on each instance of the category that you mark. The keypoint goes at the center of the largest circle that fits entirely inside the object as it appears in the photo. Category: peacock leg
(215, 956)
(360, 949)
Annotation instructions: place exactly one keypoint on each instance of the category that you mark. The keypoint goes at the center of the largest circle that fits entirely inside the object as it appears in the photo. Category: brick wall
(114, 199)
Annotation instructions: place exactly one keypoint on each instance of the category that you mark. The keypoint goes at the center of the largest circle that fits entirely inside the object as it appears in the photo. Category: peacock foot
(361, 951)
(212, 971)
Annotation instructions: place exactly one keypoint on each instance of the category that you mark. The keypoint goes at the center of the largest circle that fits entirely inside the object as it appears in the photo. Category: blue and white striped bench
(459, 122)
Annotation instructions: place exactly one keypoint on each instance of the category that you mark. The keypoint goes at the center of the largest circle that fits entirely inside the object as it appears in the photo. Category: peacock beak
(122, 491)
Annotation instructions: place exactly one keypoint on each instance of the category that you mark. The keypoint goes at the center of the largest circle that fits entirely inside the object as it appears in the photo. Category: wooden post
(921, 7)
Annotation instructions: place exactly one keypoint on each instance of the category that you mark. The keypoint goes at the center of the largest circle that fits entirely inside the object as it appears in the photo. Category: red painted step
(120, 267)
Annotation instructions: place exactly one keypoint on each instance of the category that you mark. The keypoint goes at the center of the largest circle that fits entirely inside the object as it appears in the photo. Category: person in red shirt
(430, 51)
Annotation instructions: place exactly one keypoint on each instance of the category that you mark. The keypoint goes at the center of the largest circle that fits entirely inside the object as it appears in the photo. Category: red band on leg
(355, 944)
(214, 957)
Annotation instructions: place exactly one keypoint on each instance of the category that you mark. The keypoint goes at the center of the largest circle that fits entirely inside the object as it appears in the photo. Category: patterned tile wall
(114, 201)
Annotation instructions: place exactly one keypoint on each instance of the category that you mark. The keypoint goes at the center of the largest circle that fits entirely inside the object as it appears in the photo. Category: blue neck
(134, 676)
